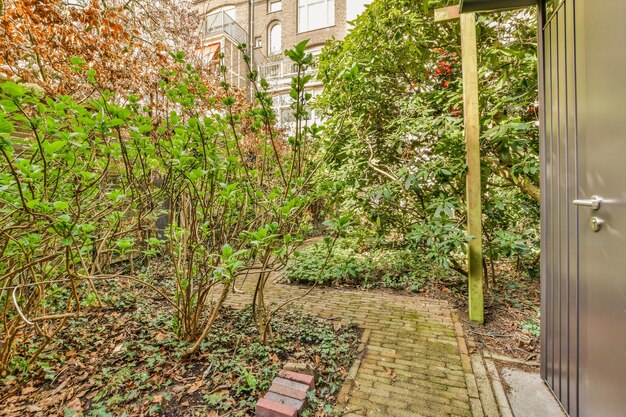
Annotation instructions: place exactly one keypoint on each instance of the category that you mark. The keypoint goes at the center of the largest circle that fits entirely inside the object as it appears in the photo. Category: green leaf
(60, 205)
(77, 61)
(91, 75)
(53, 147)
(12, 90)
(5, 126)
(227, 251)
(32, 204)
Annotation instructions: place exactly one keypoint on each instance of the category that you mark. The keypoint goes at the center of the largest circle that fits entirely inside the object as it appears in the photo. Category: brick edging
(287, 397)
(498, 388)
(269, 406)
(346, 388)
(479, 385)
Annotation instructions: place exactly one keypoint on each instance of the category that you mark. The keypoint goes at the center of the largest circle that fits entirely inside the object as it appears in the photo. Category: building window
(282, 107)
(354, 8)
(274, 6)
(315, 14)
(258, 42)
(275, 42)
(210, 55)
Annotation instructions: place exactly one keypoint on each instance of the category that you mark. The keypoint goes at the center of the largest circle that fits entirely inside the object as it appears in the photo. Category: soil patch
(126, 361)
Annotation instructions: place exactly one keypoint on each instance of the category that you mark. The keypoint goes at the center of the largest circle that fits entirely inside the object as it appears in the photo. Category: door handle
(594, 202)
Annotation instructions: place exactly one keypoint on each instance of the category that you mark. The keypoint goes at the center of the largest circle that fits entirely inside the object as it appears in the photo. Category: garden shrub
(85, 183)
(357, 264)
(399, 165)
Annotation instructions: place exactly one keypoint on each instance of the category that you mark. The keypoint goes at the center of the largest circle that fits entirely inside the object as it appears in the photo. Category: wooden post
(472, 147)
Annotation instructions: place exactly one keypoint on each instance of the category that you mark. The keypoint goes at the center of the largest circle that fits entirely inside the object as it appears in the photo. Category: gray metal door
(601, 72)
(584, 305)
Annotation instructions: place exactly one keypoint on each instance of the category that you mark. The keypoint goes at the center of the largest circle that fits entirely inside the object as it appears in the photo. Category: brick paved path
(416, 361)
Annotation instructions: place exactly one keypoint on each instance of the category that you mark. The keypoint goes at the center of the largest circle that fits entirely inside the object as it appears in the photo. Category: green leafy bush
(533, 325)
(400, 161)
(356, 264)
(86, 183)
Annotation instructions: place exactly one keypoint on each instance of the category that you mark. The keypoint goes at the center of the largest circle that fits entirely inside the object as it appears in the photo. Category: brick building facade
(269, 27)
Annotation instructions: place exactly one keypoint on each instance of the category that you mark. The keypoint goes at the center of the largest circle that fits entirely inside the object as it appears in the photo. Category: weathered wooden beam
(447, 13)
(471, 117)
(472, 146)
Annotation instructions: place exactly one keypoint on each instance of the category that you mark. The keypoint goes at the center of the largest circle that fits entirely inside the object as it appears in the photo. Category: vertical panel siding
(572, 224)
(547, 210)
(553, 349)
(542, 50)
(563, 210)
(559, 250)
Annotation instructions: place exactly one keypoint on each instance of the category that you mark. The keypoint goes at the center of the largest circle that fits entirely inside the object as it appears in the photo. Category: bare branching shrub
(83, 185)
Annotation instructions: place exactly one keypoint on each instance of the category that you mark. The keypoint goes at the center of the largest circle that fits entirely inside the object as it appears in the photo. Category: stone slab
(529, 396)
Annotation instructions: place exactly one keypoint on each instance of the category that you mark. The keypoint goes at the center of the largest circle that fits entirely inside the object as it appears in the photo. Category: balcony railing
(222, 22)
(279, 70)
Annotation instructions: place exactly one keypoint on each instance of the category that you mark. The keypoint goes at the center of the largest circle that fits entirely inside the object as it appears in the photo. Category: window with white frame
(274, 6)
(274, 44)
(354, 8)
(315, 14)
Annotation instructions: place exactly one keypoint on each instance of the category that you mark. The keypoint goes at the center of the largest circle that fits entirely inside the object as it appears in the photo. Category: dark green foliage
(234, 352)
(394, 105)
(134, 366)
(201, 178)
(362, 265)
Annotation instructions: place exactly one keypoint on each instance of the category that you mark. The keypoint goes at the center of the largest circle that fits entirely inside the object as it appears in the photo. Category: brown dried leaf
(75, 405)
(52, 400)
(177, 389)
(33, 408)
(12, 399)
(195, 387)
(390, 373)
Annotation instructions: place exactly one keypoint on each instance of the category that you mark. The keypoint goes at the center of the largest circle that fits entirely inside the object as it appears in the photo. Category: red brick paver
(416, 362)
